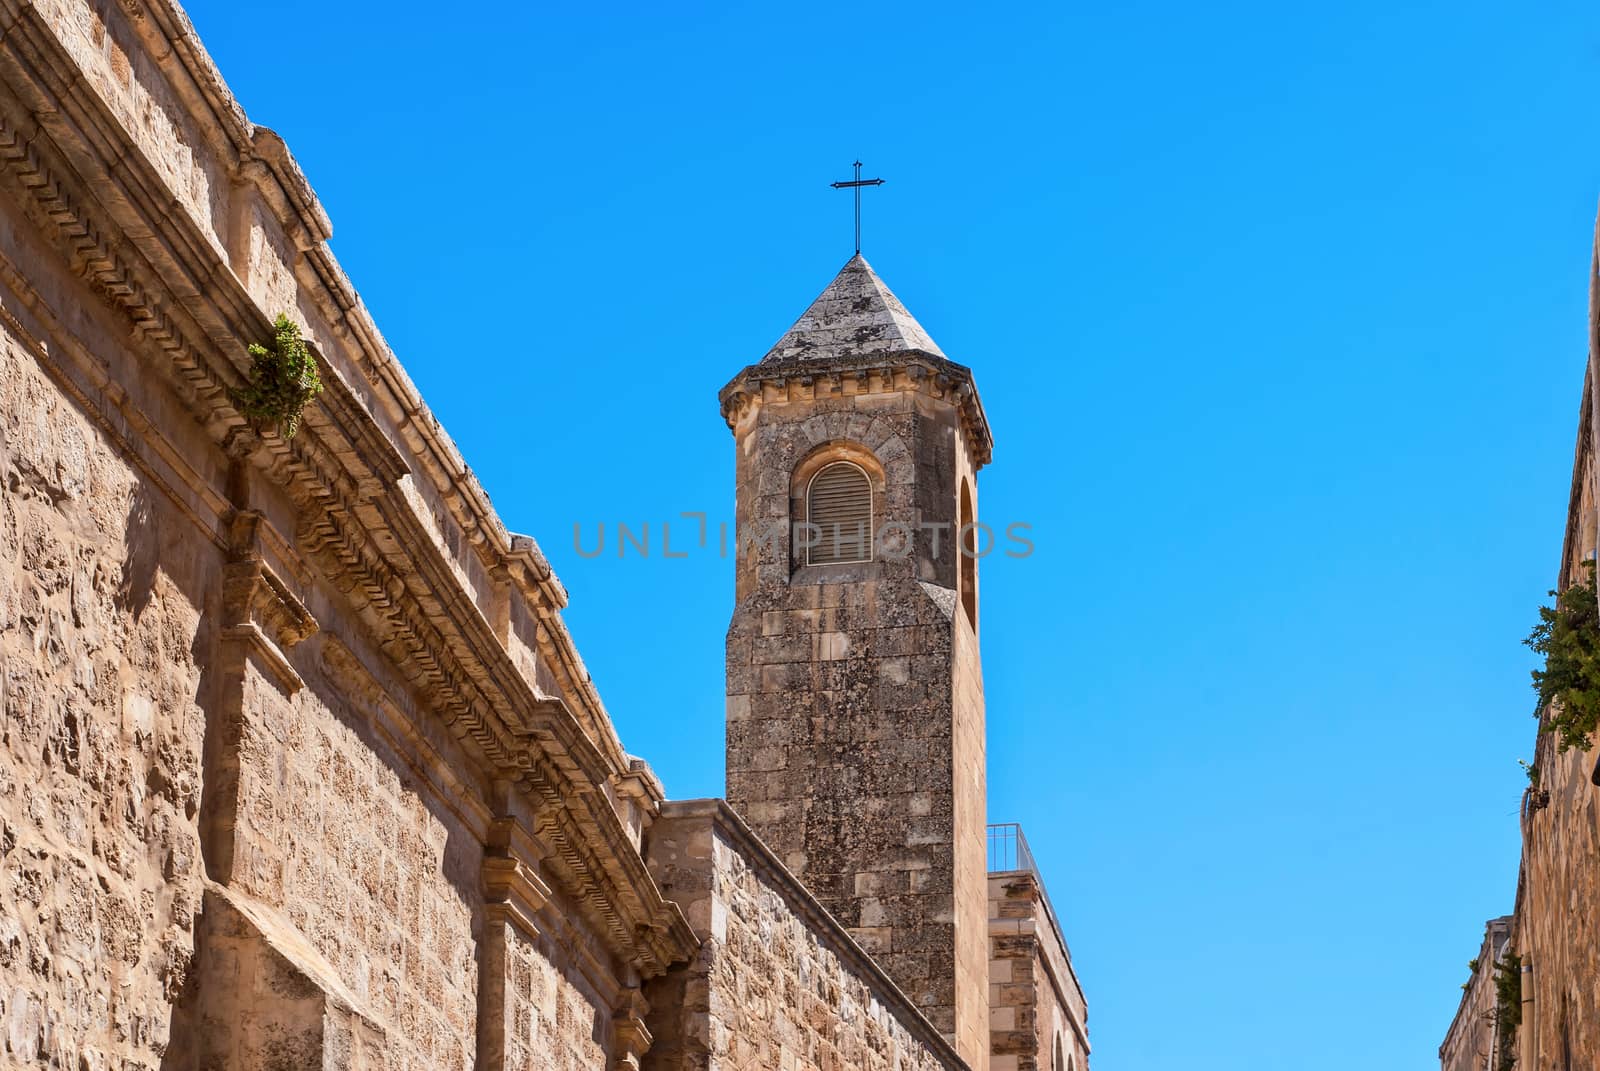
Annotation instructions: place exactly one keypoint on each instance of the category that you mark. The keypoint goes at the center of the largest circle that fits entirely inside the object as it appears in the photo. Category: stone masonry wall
(778, 984)
(1469, 1043)
(969, 833)
(855, 706)
(377, 873)
(108, 626)
(1556, 929)
(298, 764)
(1037, 1016)
(1556, 926)
(100, 738)
(555, 1021)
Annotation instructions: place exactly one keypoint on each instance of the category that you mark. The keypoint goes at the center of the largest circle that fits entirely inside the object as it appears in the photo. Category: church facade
(299, 766)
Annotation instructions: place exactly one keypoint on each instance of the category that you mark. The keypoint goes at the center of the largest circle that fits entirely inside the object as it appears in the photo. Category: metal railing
(1008, 851)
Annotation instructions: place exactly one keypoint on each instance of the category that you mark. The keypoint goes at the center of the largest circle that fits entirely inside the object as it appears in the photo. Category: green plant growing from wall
(283, 379)
(1507, 1009)
(1568, 635)
(1531, 770)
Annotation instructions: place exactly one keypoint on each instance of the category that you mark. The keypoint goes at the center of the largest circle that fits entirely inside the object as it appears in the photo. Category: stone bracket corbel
(267, 653)
(631, 1039)
(258, 609)
(640, 786)
(513, 891)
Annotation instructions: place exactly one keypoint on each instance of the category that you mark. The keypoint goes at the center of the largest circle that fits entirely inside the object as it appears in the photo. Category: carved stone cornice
(511, 888)
(94, 196)
(883, 373)
(639, 785)
(613, 894)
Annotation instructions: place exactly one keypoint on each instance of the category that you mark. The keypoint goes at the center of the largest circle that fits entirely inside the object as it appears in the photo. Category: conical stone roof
(855, 316)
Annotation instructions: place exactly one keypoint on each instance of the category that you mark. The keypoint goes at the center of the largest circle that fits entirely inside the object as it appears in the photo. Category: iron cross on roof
(856, 185)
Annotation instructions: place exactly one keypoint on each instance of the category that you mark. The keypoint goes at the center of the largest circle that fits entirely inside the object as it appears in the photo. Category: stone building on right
(1536, 982)
(1476, 1040)
(1038, 1017)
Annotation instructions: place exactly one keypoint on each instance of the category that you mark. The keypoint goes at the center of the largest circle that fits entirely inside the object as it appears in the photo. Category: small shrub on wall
(1507, 1009)
(283, 379)
(1568, 635)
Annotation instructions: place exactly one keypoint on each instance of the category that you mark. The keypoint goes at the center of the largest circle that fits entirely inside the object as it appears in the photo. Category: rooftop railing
(1008, 851)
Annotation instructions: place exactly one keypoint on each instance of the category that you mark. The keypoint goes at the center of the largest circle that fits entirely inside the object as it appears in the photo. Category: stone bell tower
(855, 694)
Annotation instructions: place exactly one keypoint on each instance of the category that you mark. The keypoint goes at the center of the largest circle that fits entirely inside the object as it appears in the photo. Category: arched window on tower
(839, 503)
(969, 557)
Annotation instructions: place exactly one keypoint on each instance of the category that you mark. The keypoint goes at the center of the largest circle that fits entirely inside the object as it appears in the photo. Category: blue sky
(1278, 312)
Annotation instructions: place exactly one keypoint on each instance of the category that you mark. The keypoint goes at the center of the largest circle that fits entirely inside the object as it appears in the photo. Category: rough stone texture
(300, 767)
(1469, 1044)
(778, 984)
(554, 1020)
(286, 1005)
(1556, 921)
(372, 874)
(102, 734)
(1038, 1020)
(855, 699)
(855, 315)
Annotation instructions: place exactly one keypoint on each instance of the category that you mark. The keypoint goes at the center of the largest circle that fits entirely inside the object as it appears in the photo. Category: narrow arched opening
(839, 508)
(969, 556)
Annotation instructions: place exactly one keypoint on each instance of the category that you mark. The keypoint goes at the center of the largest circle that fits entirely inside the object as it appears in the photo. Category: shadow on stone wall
(142, 555)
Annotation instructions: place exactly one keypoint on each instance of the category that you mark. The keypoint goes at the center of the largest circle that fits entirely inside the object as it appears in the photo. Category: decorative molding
(639, 786)
(512, 890)
(257, 607)
(267, 654)
(614, 899)
(630, 1038)
(109, 215)
(913, 370)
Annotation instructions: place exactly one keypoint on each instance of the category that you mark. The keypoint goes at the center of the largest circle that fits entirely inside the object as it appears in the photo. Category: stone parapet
(778, 983)
(1038, 1018)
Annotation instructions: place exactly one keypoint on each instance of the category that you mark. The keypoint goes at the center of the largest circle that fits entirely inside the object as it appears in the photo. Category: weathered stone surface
(299, 766)
(855, 696)
(857, 314)
(778, 983)
(1038, 1019)
(1470, 1043)
(102, 730)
